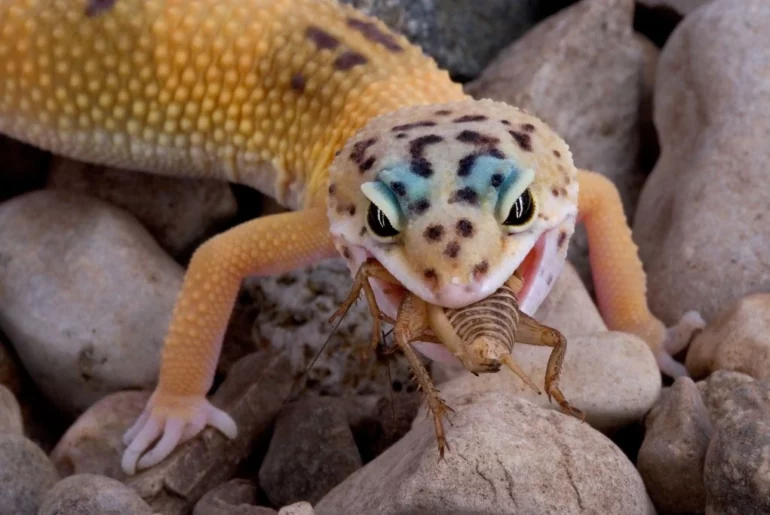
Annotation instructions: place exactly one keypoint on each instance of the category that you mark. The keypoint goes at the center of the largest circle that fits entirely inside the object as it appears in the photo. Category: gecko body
(377, 151)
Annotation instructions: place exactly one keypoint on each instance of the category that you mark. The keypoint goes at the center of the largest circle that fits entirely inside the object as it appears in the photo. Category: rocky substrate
(91, 261)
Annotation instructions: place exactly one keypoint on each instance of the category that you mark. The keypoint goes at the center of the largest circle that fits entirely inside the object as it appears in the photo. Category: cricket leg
(370, 268)
(411, 323)
(532, 332)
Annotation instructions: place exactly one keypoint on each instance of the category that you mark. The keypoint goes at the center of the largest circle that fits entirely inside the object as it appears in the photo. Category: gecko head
(453, 198)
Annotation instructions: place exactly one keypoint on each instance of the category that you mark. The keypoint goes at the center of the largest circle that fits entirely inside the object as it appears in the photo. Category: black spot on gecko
(358, 154)
(434, 232)
(322, 39)
(398, 187)
(562, 239)
(554, 192)
(476, 138)
(298, 82)
(464, 228)
(523, 139)
(528, 127)
(443, 112)
(366, 164)
(430, 274)
(345, 252)
(417, 145)
(421, 167)
(348, 60)
(413, 125)
(452, 250)
(470, 118)
(332, 189)
(362, 231)
(557, 153)
(466, 195)
(496, 180)
(481, 268)
(96, 7)
(349, 208)
(373, 33)
(420, 206)
(352, 210)
(401, 135)
(505, 122)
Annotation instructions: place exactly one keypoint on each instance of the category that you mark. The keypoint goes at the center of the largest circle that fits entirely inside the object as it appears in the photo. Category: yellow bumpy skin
(266, 93)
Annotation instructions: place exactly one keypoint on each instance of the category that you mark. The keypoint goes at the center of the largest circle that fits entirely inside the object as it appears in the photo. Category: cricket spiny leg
(370, 268)
(514, 367)
(532, 332)
(411, 323)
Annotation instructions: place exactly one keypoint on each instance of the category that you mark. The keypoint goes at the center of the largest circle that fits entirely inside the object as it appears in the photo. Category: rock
(674, 449)
(289, 314)
(712, 114)
(26, 475)
(87, 295)
(462, 36)
(24, 167)
(236, 497)
(506, 456)
(94, 443)
(9, 373)
(581, 72)
(179, 213)
(10, 413)
(649, 148)
(252, 394)
(611, 376)
(90, 494)
(731, 397)
(737, 470)
(299, 508)
(384, 423)
(738, 339)
(682, 7)
(312, 450)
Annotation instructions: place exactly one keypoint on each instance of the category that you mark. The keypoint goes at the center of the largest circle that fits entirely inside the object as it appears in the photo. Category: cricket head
(453, 198)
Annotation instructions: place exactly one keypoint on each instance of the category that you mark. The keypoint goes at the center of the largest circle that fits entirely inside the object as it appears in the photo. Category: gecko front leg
(178, 409)
(619, 277)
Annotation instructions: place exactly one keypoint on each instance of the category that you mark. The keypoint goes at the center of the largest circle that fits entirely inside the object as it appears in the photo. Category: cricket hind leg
(412, 324)
(532, 332)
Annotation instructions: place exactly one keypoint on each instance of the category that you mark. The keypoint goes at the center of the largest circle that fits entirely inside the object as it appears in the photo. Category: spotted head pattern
(453, 198)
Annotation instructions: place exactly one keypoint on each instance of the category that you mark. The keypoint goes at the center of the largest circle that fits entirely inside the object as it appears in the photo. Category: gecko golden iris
(448, 194)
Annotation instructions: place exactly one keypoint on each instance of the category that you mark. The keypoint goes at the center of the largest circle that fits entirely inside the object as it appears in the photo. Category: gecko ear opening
(516, 206)
(384, 218)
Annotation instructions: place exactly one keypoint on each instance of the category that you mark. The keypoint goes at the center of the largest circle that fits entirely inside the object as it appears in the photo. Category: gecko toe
(146, 435)
(172, 433)
(222, 421)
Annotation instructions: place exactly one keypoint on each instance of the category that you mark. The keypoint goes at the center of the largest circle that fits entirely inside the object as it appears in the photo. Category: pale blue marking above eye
(488, 177)
(407, 186)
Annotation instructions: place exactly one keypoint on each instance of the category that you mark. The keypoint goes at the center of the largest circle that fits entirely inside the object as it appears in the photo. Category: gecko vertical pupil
(379, 223)
(522, 210)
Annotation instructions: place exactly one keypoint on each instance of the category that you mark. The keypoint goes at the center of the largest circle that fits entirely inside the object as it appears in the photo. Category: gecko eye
(378, 223)
(522, 211)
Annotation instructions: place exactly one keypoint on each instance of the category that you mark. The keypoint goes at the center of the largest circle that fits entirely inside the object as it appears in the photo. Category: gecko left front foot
(175, 419)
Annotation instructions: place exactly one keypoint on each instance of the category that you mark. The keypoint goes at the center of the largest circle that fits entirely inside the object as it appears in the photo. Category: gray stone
(731, 397)
(738, 339)
(93, 444)
(298, 508)
(683, 7)
(10, 413)
(236, 497)
(462, 36)
(179, 213)
(312, 450)
(672, 454)
(26, 474)
(506, 456)
(90, 494)
(712, 112)
(737, 470)
(87, 295)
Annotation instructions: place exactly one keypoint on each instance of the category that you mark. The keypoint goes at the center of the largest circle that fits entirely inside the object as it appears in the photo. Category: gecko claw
(175, 419)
